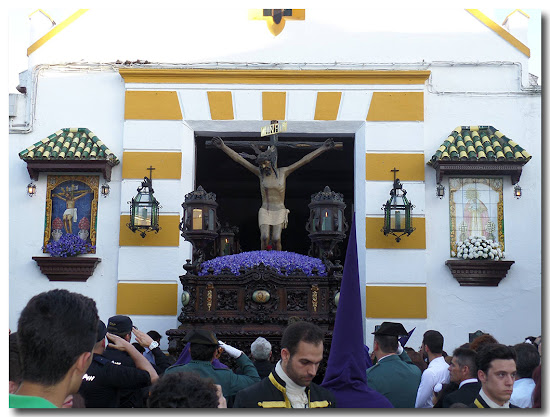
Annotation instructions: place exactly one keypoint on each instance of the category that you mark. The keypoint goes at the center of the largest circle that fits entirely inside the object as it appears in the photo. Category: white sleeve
(425, 390)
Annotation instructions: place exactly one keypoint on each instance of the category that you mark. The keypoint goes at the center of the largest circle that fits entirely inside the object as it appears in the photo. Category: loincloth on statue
(273, 217)
(71, 212)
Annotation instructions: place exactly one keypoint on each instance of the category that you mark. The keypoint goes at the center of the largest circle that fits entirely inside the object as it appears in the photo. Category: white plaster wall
(336, 35)
(402, 137)
(512, 310)
(94, 100)
(141, 135)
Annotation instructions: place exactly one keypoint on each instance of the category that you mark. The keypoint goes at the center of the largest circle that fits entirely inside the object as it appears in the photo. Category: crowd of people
(59, 357)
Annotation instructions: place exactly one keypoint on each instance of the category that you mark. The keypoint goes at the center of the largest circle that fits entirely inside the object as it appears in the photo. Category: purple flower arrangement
(285, 263)
(68, 245)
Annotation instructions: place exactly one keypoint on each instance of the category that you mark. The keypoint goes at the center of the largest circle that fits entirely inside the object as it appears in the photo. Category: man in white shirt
(528, 359)
(437, 371)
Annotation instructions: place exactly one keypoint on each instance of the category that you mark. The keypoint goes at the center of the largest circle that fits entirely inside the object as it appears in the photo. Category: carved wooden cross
(273, 140)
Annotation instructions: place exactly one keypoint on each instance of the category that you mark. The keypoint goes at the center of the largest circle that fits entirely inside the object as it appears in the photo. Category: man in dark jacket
(104, 380)
(463, 372)
(123, 327)
(204, 348)
(496, 370)
(394, 375)
(290, 384)
(260, 350)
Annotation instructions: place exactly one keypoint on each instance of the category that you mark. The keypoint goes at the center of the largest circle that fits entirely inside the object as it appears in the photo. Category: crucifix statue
(273, 215)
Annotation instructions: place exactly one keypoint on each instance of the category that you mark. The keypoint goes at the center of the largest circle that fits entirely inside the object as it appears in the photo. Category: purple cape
(346, 374)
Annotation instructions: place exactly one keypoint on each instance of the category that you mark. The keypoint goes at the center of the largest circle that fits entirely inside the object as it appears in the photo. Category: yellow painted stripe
(147, 299)
(396, 107)
(167, 236)
(167, 165)
(375, 238)
(328, 104)
(211, 76)
(500, 31)
(152, 105)
(396, 302)
(55, 30)
(379, 166)
(273, 105)
(221, 105)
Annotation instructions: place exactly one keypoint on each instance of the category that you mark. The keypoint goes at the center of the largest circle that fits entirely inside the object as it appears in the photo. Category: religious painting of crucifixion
(71, 207)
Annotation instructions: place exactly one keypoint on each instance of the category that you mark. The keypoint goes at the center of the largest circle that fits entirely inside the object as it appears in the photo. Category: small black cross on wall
(277, 14)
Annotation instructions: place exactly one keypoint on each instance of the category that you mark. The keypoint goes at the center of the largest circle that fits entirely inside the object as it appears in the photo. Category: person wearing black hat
(123, 327)
(204, 348)
(395, 376)
(120, 326)
(104, 380)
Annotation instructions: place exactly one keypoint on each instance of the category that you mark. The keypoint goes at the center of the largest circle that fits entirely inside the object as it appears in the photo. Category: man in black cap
(395, 376)
(120, 326)
(204, 348)
(103, 381)
(123, 327)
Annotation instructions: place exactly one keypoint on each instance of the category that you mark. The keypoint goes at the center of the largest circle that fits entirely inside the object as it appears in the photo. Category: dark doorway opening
(238, 191)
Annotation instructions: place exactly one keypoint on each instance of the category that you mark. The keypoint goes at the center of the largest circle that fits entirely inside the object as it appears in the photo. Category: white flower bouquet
(478, 247)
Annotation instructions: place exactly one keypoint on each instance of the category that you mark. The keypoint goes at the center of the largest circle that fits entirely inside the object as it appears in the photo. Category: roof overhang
(51, 165)
(478, 168)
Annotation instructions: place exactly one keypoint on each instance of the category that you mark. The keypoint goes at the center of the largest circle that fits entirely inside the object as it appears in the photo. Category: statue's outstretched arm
(59, 196)
(84, 192)
(218, 143)
(329, 144)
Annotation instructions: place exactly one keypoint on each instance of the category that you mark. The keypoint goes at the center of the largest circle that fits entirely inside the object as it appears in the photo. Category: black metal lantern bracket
(397, 203)
(150, 202)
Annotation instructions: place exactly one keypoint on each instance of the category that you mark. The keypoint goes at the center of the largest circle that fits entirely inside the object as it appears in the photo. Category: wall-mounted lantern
(517, 191)
(199, 223)
(105, 189)
(397, 211)
(440, 191)
(31, 189)
(144, 208)
(326, 225)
